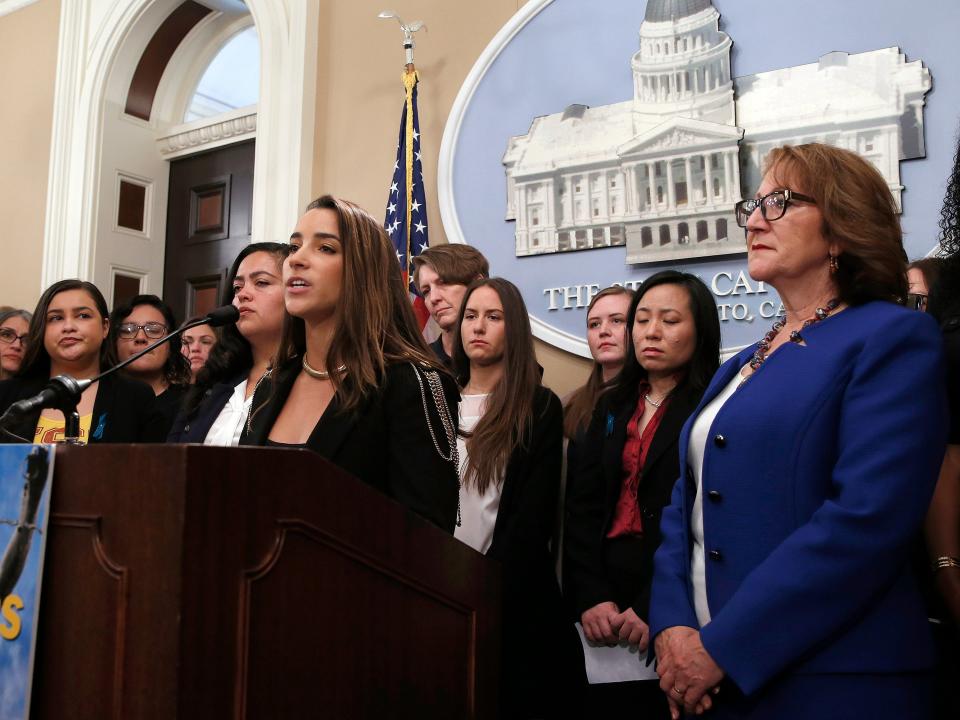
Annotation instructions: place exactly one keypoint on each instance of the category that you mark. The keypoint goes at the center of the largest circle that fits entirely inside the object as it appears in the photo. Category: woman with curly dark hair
(133, 326)
(218, 404)
(942, 527)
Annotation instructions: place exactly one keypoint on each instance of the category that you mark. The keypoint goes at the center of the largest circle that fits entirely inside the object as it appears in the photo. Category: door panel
(208, 223)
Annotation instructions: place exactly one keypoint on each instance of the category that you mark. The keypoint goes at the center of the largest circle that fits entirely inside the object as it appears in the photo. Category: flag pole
(410, 79)
(406, 212)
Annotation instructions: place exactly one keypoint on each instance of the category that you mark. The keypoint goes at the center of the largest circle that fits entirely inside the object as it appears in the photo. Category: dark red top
(626, 515)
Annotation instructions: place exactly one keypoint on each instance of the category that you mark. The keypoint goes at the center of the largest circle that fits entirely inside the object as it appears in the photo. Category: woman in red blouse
(626, 470)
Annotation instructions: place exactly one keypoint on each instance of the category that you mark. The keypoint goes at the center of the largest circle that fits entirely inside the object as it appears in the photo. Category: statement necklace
(320, 374)
(760, 356)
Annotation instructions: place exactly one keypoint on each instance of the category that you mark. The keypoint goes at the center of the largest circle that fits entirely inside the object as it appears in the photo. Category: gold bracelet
(945, 561)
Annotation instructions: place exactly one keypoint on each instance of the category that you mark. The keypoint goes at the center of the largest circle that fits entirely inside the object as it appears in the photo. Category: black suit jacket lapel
(613, 453)
(332, 430)
(274, 393)
(671, 423)
(99, 421)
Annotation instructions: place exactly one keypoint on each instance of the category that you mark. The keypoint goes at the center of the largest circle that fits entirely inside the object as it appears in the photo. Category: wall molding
(9, 6)
(201, 135)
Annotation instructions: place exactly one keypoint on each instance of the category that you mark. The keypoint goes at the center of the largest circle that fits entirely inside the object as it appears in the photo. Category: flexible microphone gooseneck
(63, 391)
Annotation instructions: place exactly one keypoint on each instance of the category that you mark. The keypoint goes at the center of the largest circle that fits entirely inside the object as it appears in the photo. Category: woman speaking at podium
(67, 337)
(354, 379)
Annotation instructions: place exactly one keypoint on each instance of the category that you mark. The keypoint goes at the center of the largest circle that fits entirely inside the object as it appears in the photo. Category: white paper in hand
(621, 663)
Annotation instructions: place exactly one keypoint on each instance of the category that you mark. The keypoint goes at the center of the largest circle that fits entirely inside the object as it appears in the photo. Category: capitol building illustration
(660, 173)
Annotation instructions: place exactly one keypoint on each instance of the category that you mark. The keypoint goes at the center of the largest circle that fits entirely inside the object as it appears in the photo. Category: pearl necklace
(655, 403)
(319, 374)
(760, 356)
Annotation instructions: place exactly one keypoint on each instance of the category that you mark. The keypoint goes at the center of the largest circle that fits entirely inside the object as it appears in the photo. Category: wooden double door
(208, 223)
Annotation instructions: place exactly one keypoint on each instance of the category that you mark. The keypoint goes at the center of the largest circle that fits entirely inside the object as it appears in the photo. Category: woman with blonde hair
(607, 340)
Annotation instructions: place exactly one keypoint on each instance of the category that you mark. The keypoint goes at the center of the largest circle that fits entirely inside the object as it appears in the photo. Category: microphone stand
(68, 389)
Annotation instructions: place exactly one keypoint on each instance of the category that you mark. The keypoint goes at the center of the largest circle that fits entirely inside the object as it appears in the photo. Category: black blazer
(594, 482)
(124, 411)
(193, 428)
(541, 664)
(386, 442)
(169, 402)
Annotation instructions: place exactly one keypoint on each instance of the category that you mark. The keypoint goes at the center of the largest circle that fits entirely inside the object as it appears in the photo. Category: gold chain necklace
(320, 374)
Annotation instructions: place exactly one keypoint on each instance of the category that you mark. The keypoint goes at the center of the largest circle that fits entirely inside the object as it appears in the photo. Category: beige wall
(28, 53)
(360, 97)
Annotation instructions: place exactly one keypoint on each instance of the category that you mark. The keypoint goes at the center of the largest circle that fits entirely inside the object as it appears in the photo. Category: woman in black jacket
(510, 469)
(626, 469)
(67, 337)
(217, 406)
(354, 380)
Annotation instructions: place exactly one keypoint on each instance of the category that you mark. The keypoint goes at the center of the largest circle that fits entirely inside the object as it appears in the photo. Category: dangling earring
(834, 263)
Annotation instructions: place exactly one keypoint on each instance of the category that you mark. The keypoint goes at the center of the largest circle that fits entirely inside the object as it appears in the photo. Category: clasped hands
(688, 675)
(604, 624)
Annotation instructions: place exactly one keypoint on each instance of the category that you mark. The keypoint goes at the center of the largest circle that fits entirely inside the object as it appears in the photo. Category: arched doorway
(97, 143)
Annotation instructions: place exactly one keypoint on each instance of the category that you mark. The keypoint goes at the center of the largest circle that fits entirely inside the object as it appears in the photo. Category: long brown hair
(859, 214)
(507, 419)
(375, 320)
(580, 404)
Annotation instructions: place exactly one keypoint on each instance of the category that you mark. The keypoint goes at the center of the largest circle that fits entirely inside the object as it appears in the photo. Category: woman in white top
(217, 406)
(510, 469)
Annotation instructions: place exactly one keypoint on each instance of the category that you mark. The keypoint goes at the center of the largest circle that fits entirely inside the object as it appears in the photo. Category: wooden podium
(184, 582)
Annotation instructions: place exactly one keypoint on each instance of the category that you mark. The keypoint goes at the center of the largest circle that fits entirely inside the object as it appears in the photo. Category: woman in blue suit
(782, 587)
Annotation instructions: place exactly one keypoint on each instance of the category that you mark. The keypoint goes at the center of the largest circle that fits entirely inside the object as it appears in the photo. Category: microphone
(226, 315)
(63, 392)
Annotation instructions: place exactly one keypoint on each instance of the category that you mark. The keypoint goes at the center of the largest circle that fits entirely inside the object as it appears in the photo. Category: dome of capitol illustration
(666, 10)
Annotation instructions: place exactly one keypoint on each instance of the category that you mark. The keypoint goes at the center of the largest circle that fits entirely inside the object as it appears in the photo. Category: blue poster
(26, 473)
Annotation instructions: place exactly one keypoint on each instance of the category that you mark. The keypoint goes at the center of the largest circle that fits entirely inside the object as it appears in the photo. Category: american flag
(406, 216)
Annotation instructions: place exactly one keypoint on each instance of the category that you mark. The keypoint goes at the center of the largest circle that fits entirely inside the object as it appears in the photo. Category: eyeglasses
(772, 206)
(153, 330)
(915, 301)
(9, 336)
